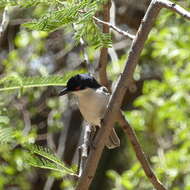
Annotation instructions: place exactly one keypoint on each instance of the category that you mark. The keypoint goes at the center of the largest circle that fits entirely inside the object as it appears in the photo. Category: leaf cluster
(14, 81)
(43, 157)
(24, 3)
(78, 13)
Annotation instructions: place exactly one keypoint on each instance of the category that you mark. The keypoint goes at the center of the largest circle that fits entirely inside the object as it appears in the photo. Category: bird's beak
(64, 91)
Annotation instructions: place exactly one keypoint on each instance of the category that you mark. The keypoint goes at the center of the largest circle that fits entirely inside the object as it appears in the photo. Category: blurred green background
(159, 110)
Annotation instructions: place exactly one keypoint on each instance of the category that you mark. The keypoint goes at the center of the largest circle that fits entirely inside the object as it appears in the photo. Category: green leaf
(24, 3)
(81, 15)
(48, 158)
(4, 120)
(13, 82)
(55, 19)
(6, 134)
(43, 163)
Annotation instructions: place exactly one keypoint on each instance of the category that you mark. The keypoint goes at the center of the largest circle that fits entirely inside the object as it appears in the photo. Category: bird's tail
(113, 140)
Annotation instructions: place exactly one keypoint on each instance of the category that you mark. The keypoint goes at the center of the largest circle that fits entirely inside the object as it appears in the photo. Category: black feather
(82, 81)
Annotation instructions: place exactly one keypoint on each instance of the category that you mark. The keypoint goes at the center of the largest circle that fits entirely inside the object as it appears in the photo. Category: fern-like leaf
(43, 163)
(80, 14)
(25, 3)
(12, 82)
(6, 134)
(50, 157)
(55, 19)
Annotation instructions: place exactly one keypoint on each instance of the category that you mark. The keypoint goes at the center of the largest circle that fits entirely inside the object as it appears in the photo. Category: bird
(92, 101)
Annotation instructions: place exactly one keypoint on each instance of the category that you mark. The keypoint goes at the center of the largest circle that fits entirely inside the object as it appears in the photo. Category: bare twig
(21, 106)
(174, 7)
(49, 183)
(84, 52)
(60, 149)
(50, 139)
(86, 59)
(83, 149)
(19, 21)
(122, 32)
(139, 152)
(4, 22)
(103, 61)
(27, 121)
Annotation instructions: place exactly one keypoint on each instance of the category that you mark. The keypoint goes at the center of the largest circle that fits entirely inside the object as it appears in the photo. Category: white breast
(92, 104)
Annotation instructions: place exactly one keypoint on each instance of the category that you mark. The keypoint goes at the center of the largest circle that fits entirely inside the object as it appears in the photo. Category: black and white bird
(92, 101)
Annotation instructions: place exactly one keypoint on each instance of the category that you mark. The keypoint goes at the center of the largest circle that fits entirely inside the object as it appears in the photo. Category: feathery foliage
(80, 14)
(6, 134)
(43, 157)
(24, 3)
(14, 81)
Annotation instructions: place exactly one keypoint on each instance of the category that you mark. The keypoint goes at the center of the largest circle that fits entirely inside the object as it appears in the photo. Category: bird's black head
(80, 82)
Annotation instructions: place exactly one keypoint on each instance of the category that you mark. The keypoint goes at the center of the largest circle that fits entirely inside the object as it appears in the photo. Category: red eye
(77, 88)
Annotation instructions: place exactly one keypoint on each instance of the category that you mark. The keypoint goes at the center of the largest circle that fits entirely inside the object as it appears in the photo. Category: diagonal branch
(139, 152)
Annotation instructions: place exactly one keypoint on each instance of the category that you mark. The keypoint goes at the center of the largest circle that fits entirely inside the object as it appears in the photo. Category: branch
(122, 32)
(139, 152)
(59, 152)
(174, 7)
(48, 185)
(103, 61)
(83, 149)
(4, 22)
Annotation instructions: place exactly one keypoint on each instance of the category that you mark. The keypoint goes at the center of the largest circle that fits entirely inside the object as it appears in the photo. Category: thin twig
(59, 152)
(83, 149)
(4, 22)
(139, 152)
(174, 7)
(84, 51)
(86, 59)
(103, 61)
(19, 21)
(60, 149)
(122, 32)
(21, 106)
(50, 139)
